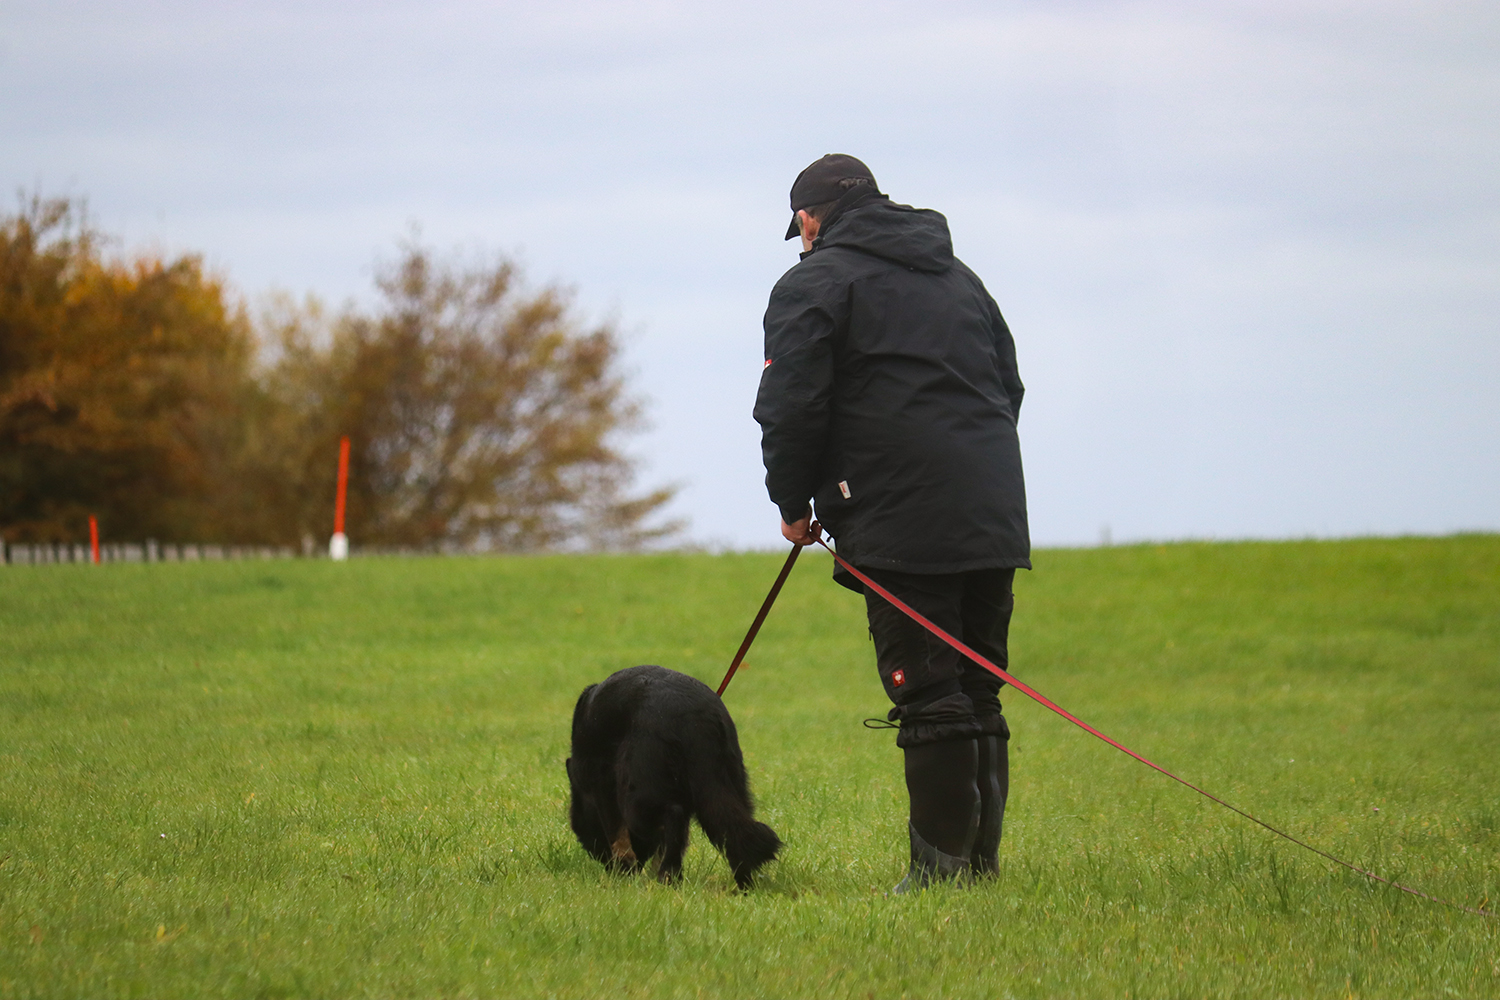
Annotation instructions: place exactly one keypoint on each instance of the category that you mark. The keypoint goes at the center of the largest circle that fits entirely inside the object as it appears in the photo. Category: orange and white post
(338, 545)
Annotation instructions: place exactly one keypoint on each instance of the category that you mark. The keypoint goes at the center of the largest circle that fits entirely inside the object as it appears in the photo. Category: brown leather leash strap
(1049, 704)
(765, 609)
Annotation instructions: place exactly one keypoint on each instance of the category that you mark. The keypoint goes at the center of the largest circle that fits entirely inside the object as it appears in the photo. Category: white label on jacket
(844, 489)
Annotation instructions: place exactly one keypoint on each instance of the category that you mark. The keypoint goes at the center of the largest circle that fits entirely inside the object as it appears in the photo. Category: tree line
(482, 414)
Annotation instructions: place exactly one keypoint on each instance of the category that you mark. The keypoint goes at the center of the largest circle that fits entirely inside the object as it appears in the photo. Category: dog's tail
(721, 795)
(749, 847)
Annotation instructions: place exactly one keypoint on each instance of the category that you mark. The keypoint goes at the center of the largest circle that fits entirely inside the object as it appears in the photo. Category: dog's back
(652, 747)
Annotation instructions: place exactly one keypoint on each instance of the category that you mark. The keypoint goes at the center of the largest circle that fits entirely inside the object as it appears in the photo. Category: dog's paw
(621, 849)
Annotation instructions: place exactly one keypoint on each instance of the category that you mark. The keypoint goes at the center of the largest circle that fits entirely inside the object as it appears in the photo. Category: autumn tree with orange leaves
(121, 386)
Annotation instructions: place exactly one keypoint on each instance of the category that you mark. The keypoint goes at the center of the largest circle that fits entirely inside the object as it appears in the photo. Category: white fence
(136, 552)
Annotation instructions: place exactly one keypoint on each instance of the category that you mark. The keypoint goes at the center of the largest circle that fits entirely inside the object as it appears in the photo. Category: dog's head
(577, 787)
(583, 811)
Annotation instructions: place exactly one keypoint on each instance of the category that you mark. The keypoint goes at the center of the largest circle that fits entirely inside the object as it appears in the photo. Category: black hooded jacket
(889, 397)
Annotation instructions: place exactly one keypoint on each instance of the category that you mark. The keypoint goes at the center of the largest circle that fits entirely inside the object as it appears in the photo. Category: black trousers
(939, 694)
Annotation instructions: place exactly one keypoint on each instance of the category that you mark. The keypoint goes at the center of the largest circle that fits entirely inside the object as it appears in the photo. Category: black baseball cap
(820, 181)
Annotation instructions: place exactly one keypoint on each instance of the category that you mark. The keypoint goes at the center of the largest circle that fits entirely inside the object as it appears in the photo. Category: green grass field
(289, 779)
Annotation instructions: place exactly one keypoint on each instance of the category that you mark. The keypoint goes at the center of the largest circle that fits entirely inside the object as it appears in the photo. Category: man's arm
(1005, 350)
(794, 401)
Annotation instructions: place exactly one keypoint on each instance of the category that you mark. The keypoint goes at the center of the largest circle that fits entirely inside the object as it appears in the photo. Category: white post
(338, 547)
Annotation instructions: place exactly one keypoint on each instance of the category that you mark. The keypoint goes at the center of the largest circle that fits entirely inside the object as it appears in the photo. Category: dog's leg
(621, 849)
(644, 821)
(644, 778)
(674, 843)
(617, 853)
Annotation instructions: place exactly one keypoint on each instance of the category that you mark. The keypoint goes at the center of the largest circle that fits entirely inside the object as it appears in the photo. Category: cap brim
(793, 231)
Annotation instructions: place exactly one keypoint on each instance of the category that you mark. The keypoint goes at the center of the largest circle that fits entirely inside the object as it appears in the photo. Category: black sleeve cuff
(792, 513)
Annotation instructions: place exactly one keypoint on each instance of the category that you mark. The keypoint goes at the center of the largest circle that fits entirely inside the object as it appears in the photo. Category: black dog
(652, 748)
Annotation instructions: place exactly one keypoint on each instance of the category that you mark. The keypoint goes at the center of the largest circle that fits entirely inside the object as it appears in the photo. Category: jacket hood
(917, 238)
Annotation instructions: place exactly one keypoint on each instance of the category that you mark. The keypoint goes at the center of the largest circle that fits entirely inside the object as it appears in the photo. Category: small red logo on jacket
(898, 678)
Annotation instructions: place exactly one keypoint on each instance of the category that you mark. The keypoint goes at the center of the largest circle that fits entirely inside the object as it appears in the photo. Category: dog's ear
(581, 708)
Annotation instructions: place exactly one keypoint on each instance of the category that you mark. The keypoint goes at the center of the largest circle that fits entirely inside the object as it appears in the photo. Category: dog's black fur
(652, 748)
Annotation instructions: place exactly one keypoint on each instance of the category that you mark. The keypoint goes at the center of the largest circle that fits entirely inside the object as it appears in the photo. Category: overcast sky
(1250, 251)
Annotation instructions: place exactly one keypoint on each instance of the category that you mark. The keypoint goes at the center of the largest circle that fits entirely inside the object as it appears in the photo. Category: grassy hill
(309, 779)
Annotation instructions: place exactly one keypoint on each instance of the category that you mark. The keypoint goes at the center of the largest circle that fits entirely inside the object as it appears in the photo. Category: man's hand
(801, 532)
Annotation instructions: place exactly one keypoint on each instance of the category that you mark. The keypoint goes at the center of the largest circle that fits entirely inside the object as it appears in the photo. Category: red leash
(1049, 704)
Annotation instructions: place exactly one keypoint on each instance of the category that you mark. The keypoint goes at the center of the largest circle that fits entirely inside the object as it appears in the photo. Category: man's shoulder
(960, 268)
(827, 268)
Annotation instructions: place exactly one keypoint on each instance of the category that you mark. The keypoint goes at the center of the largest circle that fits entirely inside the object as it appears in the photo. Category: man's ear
(810, 227)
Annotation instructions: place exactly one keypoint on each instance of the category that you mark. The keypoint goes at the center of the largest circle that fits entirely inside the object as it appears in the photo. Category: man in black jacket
(889, 399)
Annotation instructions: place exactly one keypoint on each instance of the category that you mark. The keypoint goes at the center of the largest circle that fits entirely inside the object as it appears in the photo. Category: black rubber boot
(994, 787)
(940, 782)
